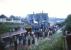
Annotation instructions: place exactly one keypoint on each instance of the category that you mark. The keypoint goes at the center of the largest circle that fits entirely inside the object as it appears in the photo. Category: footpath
(47, 42)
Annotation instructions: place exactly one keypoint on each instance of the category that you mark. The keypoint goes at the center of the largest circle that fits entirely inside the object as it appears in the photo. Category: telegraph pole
(66, 46)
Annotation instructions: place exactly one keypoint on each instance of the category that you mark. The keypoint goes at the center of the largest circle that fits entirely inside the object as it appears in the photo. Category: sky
(54, 8)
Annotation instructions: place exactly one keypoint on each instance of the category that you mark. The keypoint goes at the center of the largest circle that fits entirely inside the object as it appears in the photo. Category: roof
(15, 17)
(3, 16)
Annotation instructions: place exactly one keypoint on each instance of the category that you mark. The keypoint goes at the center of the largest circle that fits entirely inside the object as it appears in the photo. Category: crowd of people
(24, 40)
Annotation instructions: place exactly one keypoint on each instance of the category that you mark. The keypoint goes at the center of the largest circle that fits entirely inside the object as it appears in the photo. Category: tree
(68, 23)
(4, 28)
